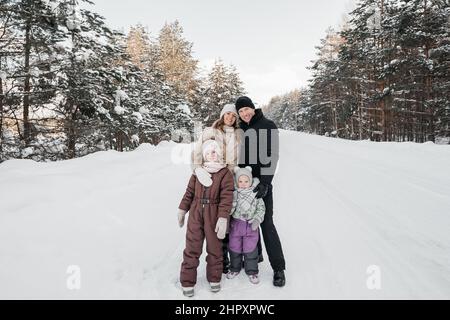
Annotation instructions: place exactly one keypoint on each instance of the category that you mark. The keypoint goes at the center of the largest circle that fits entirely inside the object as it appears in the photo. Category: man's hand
(261, 190)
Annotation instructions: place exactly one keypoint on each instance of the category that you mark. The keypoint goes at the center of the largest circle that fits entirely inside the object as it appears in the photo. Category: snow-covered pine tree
(389, 76)
(326, 87)
(156, 104)
(197, 99)
(388, 61)
(89, 80)
(9, 102)
(218, 93)
(422, 73)
(139, 47)
(163, 109)
(235, 84)
(31, 32)
(364, 72)
(223, 86)
(284, 109)
(85, 92)
(176, 61)
(439, 54)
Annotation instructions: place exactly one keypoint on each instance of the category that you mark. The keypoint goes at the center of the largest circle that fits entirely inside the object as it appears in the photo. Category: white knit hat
(247, 171)
(209, 145)
(229, 108)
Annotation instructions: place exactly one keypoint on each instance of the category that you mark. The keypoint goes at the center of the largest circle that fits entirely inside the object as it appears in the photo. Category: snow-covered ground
(340, 208)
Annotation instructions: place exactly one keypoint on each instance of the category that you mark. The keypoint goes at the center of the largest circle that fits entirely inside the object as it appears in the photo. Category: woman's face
(229, 118)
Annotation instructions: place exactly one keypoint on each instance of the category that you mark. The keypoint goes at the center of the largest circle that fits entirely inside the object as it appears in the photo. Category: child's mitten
(181, 215)
(221, 228)
(255, 224)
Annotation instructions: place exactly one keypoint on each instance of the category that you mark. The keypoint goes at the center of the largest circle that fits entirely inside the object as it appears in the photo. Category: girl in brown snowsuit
(209, 209)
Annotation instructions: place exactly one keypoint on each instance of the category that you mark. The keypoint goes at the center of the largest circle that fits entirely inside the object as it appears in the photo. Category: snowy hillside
(340, 207)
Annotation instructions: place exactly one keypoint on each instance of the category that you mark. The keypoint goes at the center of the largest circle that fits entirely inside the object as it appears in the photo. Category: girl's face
(211, 156)
(229, 118)
(243, 182)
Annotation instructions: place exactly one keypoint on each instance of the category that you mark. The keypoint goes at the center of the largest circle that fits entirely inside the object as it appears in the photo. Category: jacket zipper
(203, 197)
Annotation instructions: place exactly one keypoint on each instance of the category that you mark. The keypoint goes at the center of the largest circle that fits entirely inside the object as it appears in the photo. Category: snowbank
(340, 207)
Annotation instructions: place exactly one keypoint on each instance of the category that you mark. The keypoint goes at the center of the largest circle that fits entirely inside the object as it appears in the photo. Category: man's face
(246, 114)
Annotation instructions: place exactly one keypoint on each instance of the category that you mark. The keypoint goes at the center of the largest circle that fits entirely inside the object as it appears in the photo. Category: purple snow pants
(243, 241)
(242, 238)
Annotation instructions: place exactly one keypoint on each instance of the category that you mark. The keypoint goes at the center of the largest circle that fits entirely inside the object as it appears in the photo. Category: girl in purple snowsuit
(247, 214)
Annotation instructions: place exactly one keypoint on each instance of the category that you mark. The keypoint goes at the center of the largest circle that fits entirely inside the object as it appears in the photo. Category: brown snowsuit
(205, 206)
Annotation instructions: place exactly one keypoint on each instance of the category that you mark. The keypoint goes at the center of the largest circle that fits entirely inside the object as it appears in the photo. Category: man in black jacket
(259, 150)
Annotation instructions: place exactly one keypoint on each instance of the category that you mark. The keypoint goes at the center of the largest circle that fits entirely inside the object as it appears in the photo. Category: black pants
(226, 259)
(250, 261)
(270, 235)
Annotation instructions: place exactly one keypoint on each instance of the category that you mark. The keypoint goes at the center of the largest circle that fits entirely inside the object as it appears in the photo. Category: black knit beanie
(243, 102)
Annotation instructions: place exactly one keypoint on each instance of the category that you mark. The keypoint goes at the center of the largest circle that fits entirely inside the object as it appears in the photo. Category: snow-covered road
(341, 208)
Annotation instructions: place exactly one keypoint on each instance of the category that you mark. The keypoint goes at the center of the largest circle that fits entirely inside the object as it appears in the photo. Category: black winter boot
(279, 280)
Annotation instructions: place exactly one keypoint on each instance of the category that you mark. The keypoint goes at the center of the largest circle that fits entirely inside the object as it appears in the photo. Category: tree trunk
(1, 114)
(27, 87)
(360, 113)
(71, 110)
(430, 134)
(71, 137)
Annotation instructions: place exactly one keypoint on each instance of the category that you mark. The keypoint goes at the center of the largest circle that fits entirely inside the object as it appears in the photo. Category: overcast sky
(270, 42)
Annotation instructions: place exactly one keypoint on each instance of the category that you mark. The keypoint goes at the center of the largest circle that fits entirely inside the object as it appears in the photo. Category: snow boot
(279, 280)
(188, 291)
(231, 275)
(215, 286)
(254, 278)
